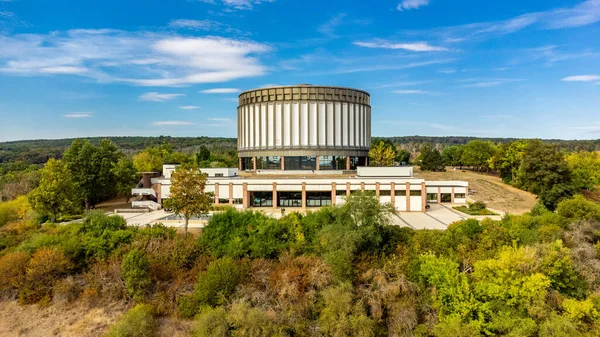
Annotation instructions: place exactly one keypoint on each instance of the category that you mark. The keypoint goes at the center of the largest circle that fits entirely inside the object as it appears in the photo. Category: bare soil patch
(489, 189)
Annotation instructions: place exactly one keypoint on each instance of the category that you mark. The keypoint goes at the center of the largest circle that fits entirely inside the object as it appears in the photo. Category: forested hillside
(39, 151)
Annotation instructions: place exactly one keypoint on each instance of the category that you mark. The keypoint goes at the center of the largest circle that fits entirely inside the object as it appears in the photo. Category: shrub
(134, 272)
(69, 288)
(477, 206)
(340, 317)
(12, 270)
(219, 281)
(558, 326)
(13, 210)
(137, 322)
(579, 208)
(96, 222)
(212, 323)
(103, 281)
(44, 268)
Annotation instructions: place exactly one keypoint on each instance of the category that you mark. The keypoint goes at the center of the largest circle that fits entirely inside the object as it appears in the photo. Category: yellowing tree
(187, 197)
(585, 169)
(148, 160)
(56, 192)
(382, 154)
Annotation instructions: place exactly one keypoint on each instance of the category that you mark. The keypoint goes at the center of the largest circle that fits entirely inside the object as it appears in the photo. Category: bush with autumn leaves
(339, 271)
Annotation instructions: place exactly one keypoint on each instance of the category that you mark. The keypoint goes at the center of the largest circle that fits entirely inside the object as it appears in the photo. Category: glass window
(400, 193)
(318, 199)
(326, 163)
(459, 196)
(238, 201)
(415, 193)
(432, 197)
(340, 193)
(289, 199)
(273, 163)
(223, 201)
(261, 163)
(340, 163)
(353, 163)
(446, 197)
(262, 199)
(385, 193)
(300, 163)
(217, 175)
(247, 164)
(309, 163)
(292, 163)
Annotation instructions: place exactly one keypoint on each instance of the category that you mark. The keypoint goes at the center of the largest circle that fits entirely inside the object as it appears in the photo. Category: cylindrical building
(303, 127)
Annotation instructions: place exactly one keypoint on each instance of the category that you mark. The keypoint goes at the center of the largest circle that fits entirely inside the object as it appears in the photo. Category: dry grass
(489, 189)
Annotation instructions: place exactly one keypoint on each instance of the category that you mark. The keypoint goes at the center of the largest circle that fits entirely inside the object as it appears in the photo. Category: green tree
(403, 157)
(382, 154)
(431, 159)
(508, 158)
(187, 197)
(452, 155)
(56, 192)
(585, 168)
(134, 272)
(545, 172)
(126, 176)
(477, 154)
(202, 155)
(137, 322)
(92, 169)
(148, 160)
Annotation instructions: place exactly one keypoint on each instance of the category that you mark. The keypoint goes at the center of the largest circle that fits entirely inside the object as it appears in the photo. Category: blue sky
(433, 67)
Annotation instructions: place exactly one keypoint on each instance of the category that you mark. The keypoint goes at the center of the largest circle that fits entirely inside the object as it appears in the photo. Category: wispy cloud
(220, 119)
(158, 97)
(411, 4)
(411, 92)
(582, 14)
(220, 91)
(238, 4)
(172, 123)
(387, 67)
(582, 78)
(487, 82)
(400, 84)
(414, 46)
(497, 116)
(193, 24)
(328, 28)
(189, 107)
(78, 115)
(447, 71)
(138, 58)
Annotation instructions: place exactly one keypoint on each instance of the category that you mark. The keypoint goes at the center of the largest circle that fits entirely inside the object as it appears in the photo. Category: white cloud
(189, 107)
(411, 92)
(581, 78)
(582, 14)
(193, 24)
(220, 91)
(220, 119)
(158, 97)
(447, 71)
(78, 115)
(172, 123)
(483, 84)
(238, 4)
(386, 67)
(412, 4)
(487, 82)
(139, 58)
(415, 46)
(328, 27)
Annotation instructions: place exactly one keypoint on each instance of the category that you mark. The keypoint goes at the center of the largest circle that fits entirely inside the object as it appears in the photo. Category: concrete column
(423, 197)
(240, 164)
(274, 195)
(231, 193)
(439, 195)
(347, 189)
(158, 193)
(254, 163)
(282, 163)
(333, 193)
(216, 193)
(348, 163)
(303, 195)
(318, 163)
(452, 196)
(362, 187)
(377, 190)
(246, 201)
(408, 197)
(393, 194)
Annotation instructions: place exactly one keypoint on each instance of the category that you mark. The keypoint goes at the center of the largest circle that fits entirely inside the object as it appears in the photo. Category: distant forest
(39, 151)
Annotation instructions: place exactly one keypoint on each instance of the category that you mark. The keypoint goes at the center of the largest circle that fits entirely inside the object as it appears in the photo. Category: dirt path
(489, 189)
(74, 320)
